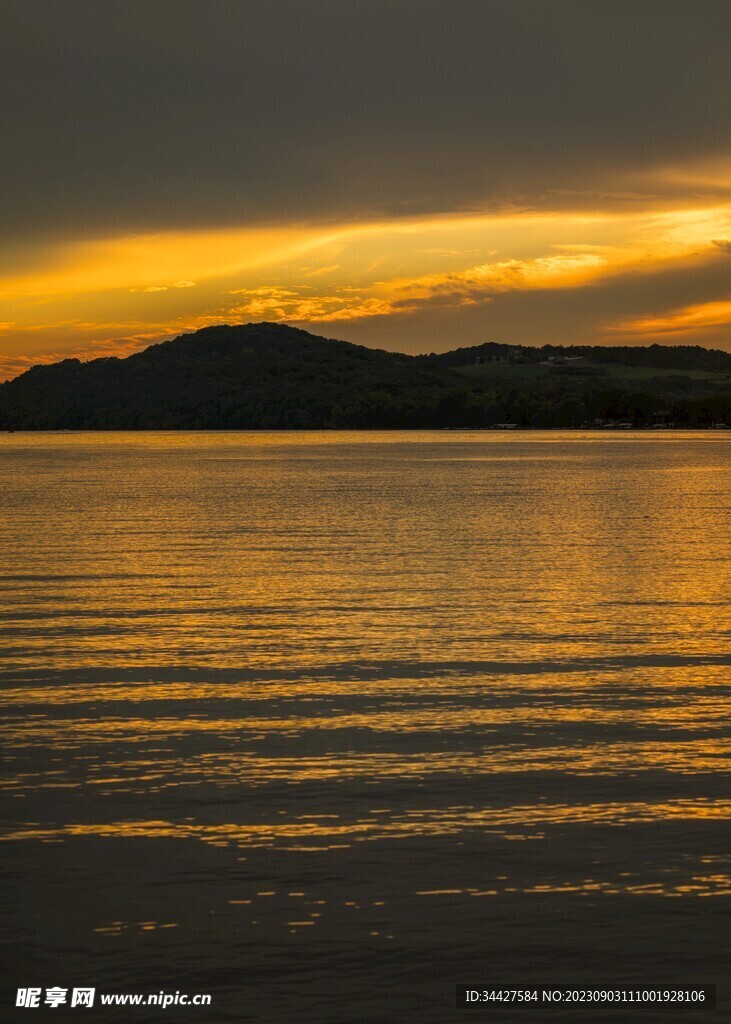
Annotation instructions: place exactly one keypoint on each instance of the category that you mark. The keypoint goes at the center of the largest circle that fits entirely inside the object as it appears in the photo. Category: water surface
(325, 723)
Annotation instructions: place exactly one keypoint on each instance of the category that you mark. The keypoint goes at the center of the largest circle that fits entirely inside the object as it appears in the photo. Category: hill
(270, 376)
(657, 357)
(247, 376)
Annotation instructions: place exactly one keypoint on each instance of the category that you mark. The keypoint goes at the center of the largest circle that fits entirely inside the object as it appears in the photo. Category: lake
(323, 724)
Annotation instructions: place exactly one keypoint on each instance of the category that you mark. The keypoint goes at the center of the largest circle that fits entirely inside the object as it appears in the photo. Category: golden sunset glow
(110, 297)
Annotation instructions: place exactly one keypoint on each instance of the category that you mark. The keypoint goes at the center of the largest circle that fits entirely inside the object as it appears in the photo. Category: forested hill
(661, 357)
(271, 376)
(246, 376)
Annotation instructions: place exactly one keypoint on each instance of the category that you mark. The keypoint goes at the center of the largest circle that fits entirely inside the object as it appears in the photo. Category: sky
(408, 175)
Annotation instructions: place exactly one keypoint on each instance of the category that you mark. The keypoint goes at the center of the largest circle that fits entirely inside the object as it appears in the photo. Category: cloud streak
(685, 320)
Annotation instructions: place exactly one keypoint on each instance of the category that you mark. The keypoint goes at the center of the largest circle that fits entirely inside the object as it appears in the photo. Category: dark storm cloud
(184, 112)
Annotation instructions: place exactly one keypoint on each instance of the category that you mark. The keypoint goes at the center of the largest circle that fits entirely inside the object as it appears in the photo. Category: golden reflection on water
(440, 823)
(232, 549)
(609, 759)
(195, 620)
(448, 821)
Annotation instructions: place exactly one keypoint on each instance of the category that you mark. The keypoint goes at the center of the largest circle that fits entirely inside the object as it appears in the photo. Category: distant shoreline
(270, 376)
(372, 430)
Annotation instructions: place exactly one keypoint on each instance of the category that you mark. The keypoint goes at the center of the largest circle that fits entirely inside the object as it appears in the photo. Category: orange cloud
(298, 306)
(685, 320)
